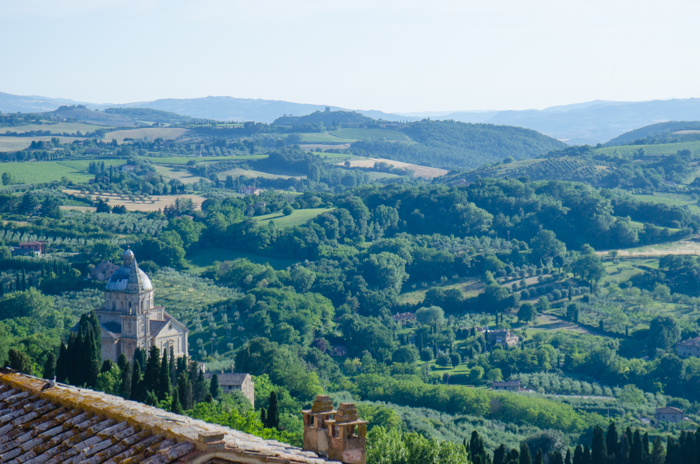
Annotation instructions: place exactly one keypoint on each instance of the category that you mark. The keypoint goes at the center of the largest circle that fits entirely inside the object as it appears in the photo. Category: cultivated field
(419, 171)
(56, 128)
(324, 137)
(165, 133)
(20, 143)
(147, 204)
(683, 247)
(198, 159)
(250, 173)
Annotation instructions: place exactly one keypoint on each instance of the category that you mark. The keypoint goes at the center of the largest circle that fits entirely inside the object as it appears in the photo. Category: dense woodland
(324, 257)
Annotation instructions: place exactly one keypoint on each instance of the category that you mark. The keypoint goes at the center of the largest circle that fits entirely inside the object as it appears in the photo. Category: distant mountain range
(581, 123)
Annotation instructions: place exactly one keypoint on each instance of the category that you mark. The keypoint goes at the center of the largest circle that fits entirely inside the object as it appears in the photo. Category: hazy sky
(395, 56)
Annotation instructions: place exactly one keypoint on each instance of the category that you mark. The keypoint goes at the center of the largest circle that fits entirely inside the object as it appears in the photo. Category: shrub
(426, 354)
(443, 360)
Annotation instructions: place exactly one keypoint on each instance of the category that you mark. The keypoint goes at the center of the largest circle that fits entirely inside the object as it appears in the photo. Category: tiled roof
(228, 379)
(669, 410)
(156, 326)
(63, 424)
(507, 383)
(690, 342)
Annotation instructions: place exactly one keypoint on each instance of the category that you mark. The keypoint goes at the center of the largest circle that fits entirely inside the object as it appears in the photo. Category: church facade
(129, 319)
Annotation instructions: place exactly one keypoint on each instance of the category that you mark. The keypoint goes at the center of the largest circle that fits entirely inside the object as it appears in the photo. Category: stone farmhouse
(235, 382)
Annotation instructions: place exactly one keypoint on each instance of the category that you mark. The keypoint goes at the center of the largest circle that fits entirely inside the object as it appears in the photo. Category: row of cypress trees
(607, 447)
(79, 361)
(149, 379)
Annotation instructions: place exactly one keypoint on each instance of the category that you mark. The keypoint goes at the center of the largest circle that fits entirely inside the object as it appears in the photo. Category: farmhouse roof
(507, 383)
(690, 342)
(62, 424)
(31, 243)
(669, 410)
(228, 379)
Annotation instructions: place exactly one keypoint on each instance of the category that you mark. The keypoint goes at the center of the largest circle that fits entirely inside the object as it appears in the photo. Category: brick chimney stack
(342, 438)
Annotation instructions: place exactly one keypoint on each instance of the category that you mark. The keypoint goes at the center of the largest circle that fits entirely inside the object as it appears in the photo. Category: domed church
(129, 319)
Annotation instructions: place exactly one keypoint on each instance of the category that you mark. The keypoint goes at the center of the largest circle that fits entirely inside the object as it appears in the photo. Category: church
(129, 319)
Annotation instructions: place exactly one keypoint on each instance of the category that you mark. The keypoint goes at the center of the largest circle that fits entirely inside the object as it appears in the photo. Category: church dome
(129, 278)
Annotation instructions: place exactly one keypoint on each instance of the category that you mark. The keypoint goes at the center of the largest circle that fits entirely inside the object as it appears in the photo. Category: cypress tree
(624, 449)
(172, 368)
(263, 416)
(184, 386)
(658, 453)
(164, 377)
(125, 389)
(637, 450)
(476, 444)
(499, 456)
(61, 364)
(140, 356)
(674, 454)
(689, 448)
(152, 371)
(567, 459)
(50, 366)
(200, 387)
(599, 453)
(214, 388)
(273, 419)
(578, 455)
(151, 398)
(645, 446)
(122, 362)
(137, 391)
(557, 458)
(539, 458)
(17, 283)
(93, 373)
(525, 457)
(612, 440)
(513, 456)
(175, 405)
(587, 458)
(106, 366)
(2, 289)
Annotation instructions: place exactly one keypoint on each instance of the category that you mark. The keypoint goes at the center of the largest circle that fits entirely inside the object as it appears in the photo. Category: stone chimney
(342, 438)
(315, 428)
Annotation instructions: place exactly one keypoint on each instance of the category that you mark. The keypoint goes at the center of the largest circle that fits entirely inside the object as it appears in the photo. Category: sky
(394, 56)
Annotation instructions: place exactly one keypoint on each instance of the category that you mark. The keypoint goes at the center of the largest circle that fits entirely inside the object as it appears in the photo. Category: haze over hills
(581, 123)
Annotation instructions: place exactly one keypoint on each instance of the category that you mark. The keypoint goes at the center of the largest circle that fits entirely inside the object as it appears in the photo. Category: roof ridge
(205, 439)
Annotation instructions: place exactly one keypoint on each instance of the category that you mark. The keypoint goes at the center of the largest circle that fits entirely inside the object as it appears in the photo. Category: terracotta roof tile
(63, 424)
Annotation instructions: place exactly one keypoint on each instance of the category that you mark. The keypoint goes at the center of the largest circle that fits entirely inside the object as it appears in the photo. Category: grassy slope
(298, 217)
(202, 259)
(658, 149)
